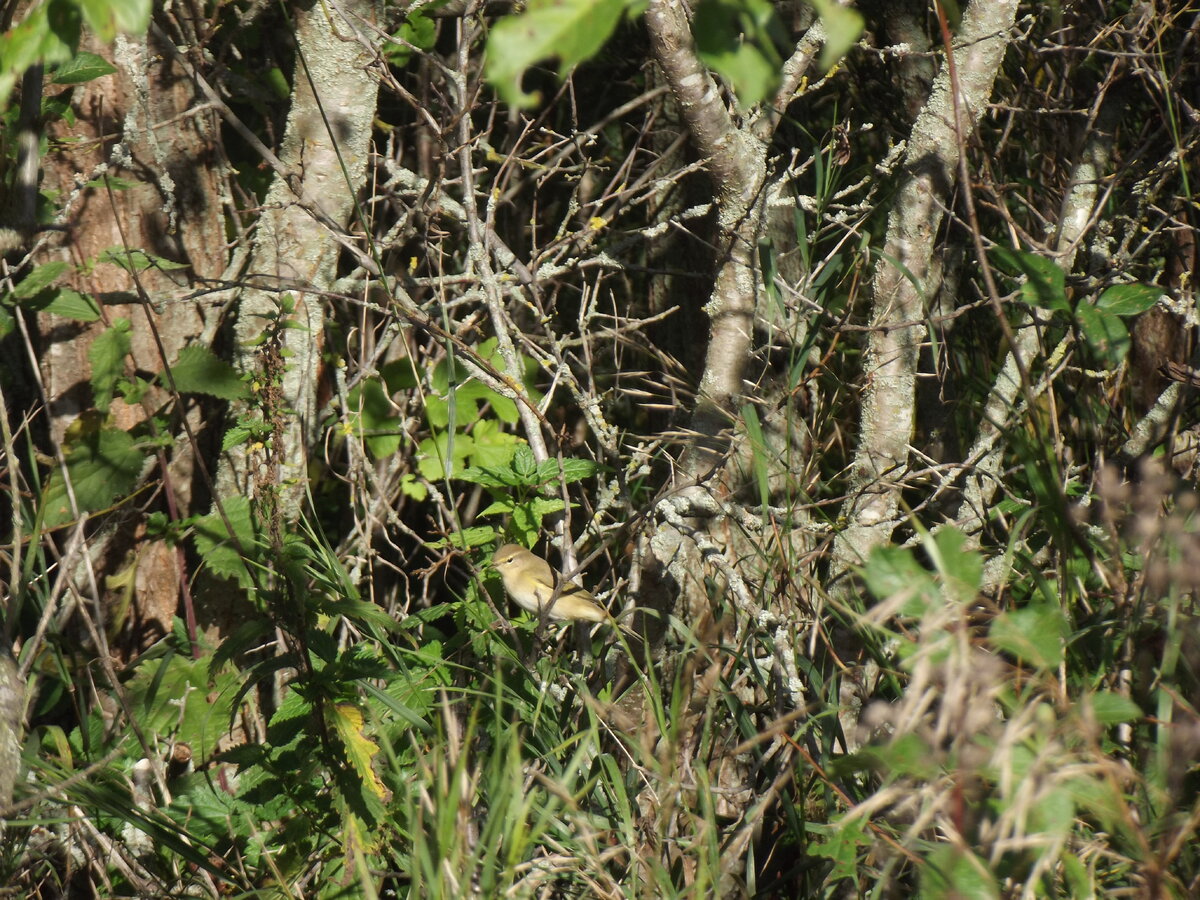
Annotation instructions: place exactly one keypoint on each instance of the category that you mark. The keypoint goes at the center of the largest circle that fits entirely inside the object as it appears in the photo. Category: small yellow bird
(534, 586)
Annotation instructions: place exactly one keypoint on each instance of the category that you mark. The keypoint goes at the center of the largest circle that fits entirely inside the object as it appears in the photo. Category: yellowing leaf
(360, 749)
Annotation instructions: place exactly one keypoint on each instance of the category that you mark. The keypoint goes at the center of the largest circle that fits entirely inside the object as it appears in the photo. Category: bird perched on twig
(534, 586)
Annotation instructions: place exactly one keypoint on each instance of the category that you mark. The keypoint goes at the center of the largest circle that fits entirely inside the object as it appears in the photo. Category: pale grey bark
(324, 156)
(12, 719)
(1075, 220)
(735, 159)
(901, 280)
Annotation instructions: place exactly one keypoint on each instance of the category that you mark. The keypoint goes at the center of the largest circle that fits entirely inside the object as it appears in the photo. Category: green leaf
(135, 260)
(83, 67)
(374, 420)
(573, 470)
(1035, 634)
(894, 572)
(1113, 709)
(737, 39)
(843, 26)
(1105, 334)
(105, 464)
(107, 356)
(38, 280)
(418, 31)
(842, 846)
(961, 570)
(432, 453)
(1129, 299)
(498, 477)
(953, 873)
(476, 536)
(759, 456)
(200, 371)
(48, 34)
(107, 17)
(221, 553)
(1045, 284)
(523, 464)
(347, 721)
(571, 30)
(494, 447)
(67, 303)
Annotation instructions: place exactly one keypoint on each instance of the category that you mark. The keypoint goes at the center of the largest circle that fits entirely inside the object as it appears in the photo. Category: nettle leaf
(83, 67)
(738, 39)
(67, 303)
(1129, 299)
(38, 280)
(572, 470)
(200, 371)
(107, 356)
(347, 721)
(570, 30)
(221, 553)
(104, 465)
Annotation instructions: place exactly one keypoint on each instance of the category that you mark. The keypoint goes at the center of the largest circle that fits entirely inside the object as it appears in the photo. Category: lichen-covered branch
(901, 279)
(325, 152)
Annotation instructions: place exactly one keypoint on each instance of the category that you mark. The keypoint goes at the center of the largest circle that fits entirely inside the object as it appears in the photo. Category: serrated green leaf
(220, 553)
(102, 466)
(572, 470)
(83, 67)
(235, 436)
(347, 721)
(524, 465)
(1129, 299)
(40, 278)
(69, 304)
(107, 356)
(497, 477)
(476, 536)
(494, 447)
(569, 30)
(200, 371)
